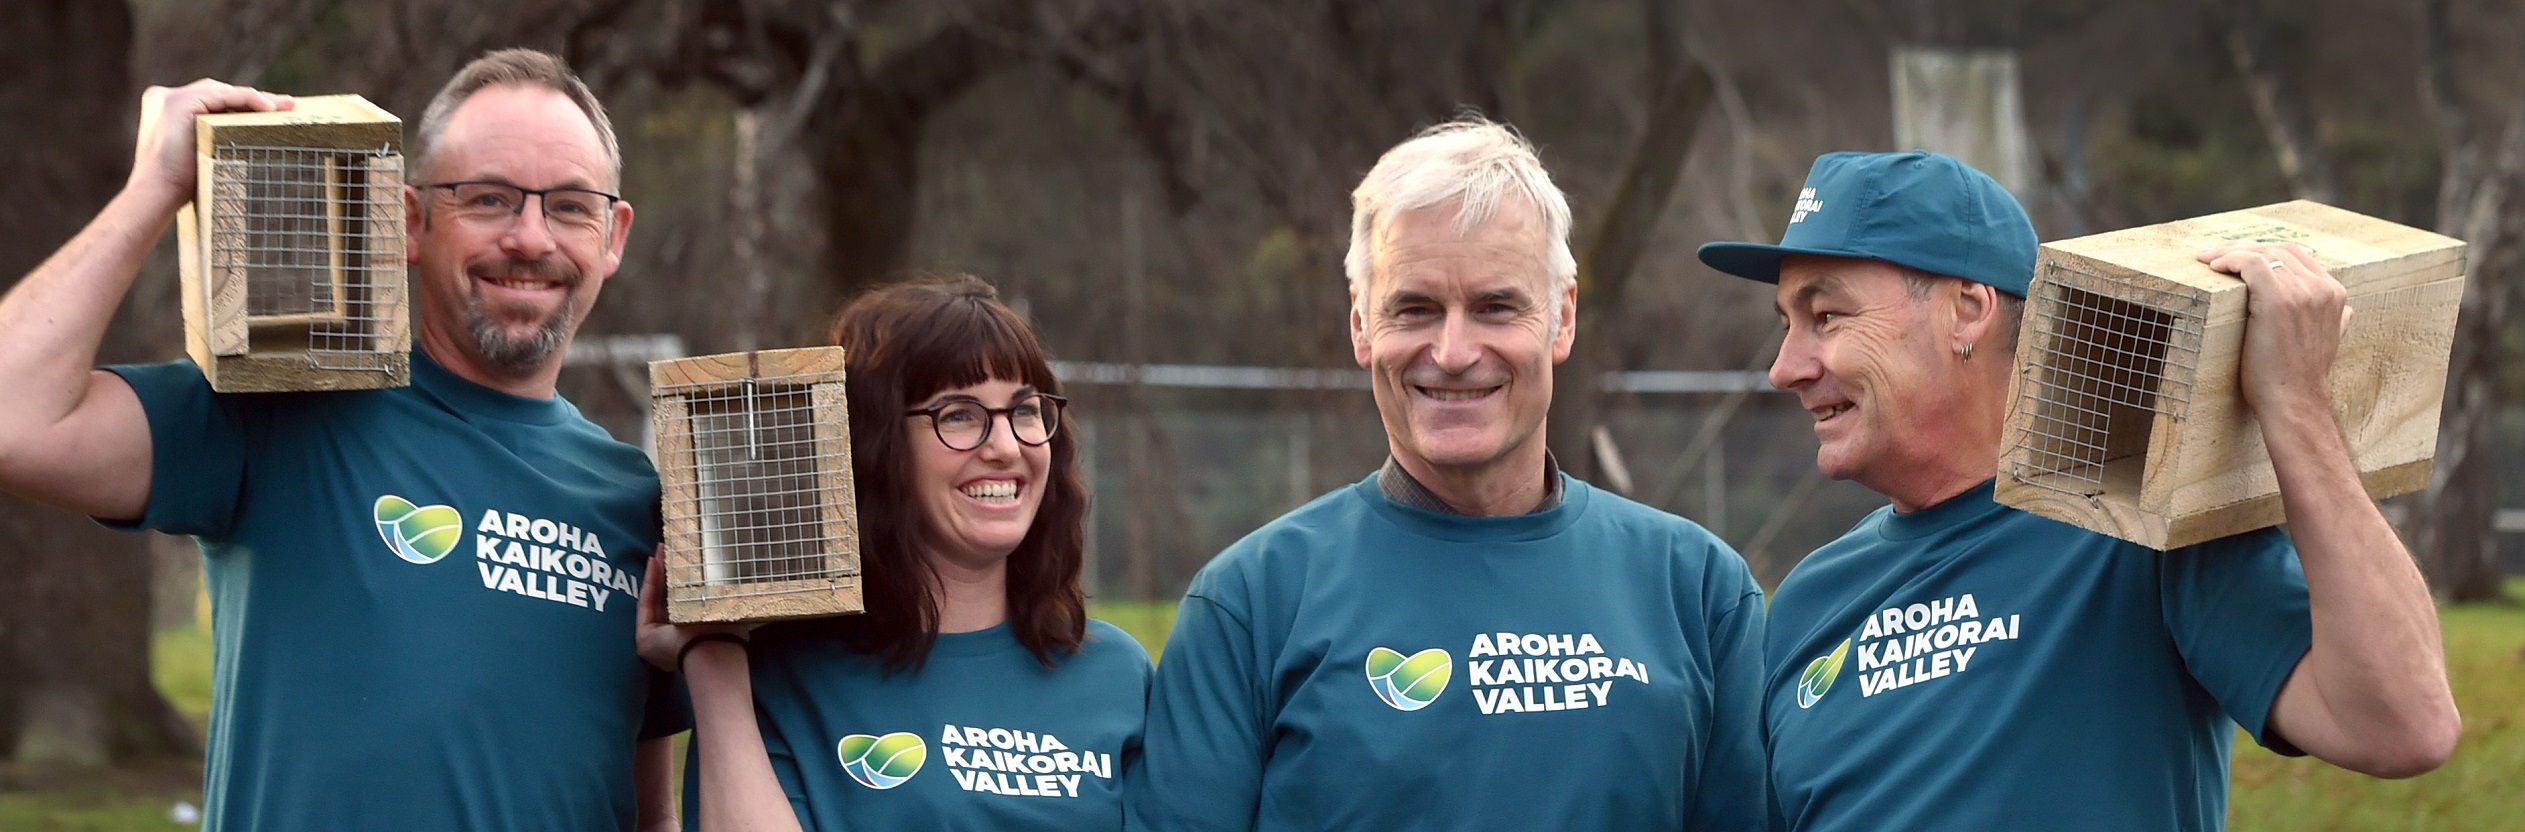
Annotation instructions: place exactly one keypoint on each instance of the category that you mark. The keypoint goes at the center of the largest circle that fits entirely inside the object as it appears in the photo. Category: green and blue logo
(1409, 683)
(417, 533)
(883, 762)
(1819, 674)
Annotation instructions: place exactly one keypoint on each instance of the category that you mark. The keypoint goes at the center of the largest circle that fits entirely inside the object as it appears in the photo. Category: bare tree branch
(1678, 93)
(2280, 104)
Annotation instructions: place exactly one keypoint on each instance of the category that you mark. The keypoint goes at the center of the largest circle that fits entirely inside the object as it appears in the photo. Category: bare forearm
(66, 438)
(52, 322)
(2379, 697)
(738, 788)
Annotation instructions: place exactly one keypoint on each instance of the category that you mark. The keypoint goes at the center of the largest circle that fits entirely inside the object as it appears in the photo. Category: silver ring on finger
(2275, 265)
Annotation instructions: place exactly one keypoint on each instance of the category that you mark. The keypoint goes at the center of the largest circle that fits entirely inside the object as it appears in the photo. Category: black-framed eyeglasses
(964, 424)
(490, 204)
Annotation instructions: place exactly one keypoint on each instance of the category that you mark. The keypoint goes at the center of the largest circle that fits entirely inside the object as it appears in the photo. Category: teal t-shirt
(1972, 666)
(1362, 664)
(422, 601)
(982, 737)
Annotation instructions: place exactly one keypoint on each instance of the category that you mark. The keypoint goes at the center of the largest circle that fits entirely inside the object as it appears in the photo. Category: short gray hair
(1471, 162)
(1918, 283)
(510, 66)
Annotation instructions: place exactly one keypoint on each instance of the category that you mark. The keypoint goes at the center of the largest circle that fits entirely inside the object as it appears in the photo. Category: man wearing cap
(1952, 663)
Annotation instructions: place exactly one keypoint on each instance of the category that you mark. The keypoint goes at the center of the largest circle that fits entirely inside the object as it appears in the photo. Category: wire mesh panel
(293, 249)
(2128, 415)
(313, 259)
(2108, 362)
(754, 457)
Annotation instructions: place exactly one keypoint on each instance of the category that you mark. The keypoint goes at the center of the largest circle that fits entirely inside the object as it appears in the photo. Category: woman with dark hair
(974, 693)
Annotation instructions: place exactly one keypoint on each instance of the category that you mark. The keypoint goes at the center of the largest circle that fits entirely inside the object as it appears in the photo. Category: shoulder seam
(1223, 609)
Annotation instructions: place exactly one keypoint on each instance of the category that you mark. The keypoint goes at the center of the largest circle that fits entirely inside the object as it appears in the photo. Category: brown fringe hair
(902, 344)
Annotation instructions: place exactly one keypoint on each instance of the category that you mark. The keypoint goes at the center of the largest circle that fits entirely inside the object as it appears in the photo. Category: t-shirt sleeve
(1201, 758)
(1734, 789)
(2237, 610)
(197, 451)
(1136, 679)
(669, 711)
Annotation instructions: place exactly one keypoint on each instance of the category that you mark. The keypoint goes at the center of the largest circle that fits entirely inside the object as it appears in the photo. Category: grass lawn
(122, 800)
(2478, 790)
(1148, 621)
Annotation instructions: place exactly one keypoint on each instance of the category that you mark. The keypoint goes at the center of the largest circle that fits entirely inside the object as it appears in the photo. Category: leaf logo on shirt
(1409, 684)
(883, 762)
(1819, 674)
(417, 533)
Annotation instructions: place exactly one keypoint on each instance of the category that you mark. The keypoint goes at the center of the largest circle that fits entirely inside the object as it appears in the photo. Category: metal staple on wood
(2110, 357)
(307, 245)
(759, 498)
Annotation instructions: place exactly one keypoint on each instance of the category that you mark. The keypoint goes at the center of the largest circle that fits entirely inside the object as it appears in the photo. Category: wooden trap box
(2127, 416)
(292, 250)
(754, 461)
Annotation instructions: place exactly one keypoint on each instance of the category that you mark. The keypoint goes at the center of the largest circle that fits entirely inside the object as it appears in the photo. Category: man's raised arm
(70, 435)
(2371, 694)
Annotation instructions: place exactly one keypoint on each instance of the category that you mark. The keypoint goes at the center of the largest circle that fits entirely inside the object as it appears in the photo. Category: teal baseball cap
(1924, 210)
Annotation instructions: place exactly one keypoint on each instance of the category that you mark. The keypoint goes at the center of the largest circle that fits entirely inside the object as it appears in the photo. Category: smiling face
(1460, 332)
(499, 301)
(1875, 367)
(977, 504)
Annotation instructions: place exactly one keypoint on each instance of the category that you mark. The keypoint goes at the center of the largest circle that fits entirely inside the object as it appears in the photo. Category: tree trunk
(867, 171)
(1679, 91)
(2454, 521)
(74, 607)
(2449, 527)
(2459, 549)
(2451, 524)
(2279, 104)
(861, 128)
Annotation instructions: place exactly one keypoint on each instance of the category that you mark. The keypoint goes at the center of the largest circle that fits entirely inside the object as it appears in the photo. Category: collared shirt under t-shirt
(1360, 663)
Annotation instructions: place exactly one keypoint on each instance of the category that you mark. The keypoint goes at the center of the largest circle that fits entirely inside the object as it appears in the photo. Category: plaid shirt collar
(1400, 487)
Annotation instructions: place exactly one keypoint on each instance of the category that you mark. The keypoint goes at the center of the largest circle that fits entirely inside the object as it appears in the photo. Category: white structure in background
(626, 358)
(1965, 103)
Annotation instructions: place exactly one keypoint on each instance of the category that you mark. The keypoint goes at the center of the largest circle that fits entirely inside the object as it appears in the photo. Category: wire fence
(1179, 468)
(1189, 471)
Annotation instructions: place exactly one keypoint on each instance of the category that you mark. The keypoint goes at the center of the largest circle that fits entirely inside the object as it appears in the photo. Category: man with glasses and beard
(363, 680)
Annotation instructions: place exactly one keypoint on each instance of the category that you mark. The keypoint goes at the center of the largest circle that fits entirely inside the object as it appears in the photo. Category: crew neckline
(1974, 503)
(474, 400)
(1575, 494)
(990, 640)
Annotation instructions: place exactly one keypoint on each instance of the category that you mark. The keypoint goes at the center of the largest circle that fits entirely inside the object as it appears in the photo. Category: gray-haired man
(1467, 638)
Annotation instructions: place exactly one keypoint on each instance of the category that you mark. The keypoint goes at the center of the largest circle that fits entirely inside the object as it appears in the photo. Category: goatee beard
(518, 355)
(513, 355)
